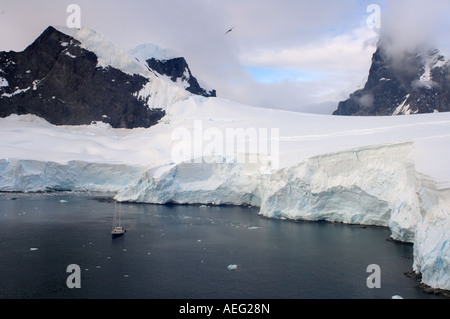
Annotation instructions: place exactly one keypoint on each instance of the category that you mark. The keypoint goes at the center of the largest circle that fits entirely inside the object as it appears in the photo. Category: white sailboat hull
(118, 231)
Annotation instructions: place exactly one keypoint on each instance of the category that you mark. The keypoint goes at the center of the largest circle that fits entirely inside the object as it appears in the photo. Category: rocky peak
(66, 80)
(168, 64)
(416, 82)
(178, 71)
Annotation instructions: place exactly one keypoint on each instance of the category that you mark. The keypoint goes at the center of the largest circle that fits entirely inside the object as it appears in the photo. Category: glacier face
(358, 186)
(211, 182)
(369, 185)
(432, 241)
(39, 176)
(374, 185)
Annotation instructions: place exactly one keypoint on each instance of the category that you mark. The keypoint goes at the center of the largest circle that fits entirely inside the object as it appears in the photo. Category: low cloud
(411, 25)
(366, 101)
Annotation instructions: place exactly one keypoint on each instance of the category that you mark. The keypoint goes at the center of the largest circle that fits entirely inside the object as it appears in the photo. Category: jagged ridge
(417, 82)
(61, 80)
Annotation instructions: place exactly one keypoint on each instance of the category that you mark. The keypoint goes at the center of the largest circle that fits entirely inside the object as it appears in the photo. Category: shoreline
(424, 287)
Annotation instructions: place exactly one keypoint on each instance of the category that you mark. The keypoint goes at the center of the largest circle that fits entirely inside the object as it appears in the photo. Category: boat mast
(120, 214)
(114, 216)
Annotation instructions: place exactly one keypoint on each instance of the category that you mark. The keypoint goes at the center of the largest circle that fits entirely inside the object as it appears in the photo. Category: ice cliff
(432, 239)
(38, 176)
(374, 185)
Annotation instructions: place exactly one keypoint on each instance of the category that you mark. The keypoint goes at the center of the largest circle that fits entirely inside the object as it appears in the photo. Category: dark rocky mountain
(59, 80)
(418, 82)
(177, 69)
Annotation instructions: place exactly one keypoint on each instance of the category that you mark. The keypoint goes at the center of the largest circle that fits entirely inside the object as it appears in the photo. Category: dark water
(185, 251)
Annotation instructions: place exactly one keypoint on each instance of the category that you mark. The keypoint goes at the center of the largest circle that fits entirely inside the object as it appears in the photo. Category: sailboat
(117, 229)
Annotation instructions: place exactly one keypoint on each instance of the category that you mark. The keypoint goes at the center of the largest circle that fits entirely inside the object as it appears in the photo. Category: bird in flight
(229, 30)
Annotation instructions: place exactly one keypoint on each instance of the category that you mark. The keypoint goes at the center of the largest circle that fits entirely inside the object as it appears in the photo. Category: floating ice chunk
(63, 201)
(33, 249)
(397, 297)
(232, 267)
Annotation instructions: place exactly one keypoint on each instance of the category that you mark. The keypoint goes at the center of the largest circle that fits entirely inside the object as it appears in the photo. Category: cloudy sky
(299, 55)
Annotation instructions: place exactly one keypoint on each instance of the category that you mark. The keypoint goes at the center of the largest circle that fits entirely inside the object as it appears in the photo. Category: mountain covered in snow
(74, 77)
(412, 83)
(166, 63)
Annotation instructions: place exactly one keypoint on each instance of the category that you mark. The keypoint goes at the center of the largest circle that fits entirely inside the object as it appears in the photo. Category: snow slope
(150, 50)
(390, 171)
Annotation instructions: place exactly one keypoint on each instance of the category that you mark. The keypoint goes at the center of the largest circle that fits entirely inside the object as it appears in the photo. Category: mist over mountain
(403, 82)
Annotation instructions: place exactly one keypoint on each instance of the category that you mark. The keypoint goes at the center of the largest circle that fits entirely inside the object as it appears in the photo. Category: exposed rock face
(60, 80)
(178, 70)
(55, 78)
(416, 83)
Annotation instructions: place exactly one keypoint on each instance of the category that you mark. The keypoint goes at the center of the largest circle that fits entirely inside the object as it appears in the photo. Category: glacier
(37, 176)
(374, 185)
(388, 171)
